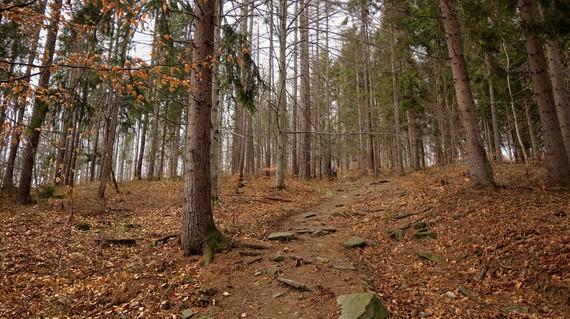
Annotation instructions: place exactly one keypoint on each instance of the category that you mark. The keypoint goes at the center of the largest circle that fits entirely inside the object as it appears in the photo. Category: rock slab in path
(365, 305)
(281, 236)
(424, 234)
(278, 257)
(292, 283)
(420, 225)
(323, 231)
(430, 256)
(397, 234)
(354, 242)
(516, 309)
(187, 313)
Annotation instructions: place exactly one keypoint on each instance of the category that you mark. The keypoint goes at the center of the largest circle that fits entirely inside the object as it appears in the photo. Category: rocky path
(301, 275)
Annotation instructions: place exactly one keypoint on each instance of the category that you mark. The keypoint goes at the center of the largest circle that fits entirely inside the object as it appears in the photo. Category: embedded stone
(354, 242)
(365, 305)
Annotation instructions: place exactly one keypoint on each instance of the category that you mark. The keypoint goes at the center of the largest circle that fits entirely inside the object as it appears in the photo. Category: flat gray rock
(292, 283)
(323, 231)
(430, 256)
(354, 242)
(424, 234)
(279, 256)
(365, 305)
(420, 225)
(281, 236)
(187, 313)
(397, 234)
(516, 309)
(450, 295)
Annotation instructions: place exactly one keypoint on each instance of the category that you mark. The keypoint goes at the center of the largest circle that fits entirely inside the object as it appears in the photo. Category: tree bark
(111, 131)
(480, 169)
(305, 145)
(396, 104)
(8, 181)
(515, 120)
(282, 95)
(40, 106)
(413, 136)
(138, 169)
(533, 141)
(556, 158)
(494, 122)
(295, 124)
(560, 92)
(215, 123)
(198, 227)
(270, 95)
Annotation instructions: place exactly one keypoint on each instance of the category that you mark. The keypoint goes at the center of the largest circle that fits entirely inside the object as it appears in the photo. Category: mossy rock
(365, 305)
(397, 235)
(516, 309)
(425, 234)
(430, 256)
(420, 225)
(281, 236)
(354, 242)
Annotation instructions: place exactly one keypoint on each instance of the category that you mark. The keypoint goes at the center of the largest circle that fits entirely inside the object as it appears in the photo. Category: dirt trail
(248, 288)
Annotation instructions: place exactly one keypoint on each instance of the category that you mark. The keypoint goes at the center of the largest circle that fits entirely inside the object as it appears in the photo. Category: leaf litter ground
(505, 253)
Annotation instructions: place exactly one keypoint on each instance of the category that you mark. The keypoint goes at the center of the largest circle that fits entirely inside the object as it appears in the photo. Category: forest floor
(501, 253)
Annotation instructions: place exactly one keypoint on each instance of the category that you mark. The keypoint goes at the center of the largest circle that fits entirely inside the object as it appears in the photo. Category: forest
(353, 159)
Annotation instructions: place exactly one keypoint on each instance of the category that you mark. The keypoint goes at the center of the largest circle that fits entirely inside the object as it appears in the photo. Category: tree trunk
(560, 92)
(480, 170)
(20, 108)
(412, 132)
(270, 94)
(154, 142)
(396, 104)
(366, 54)
(282, 95)
(111, 131)
(533, 141)
(214, 119)
(556, 158)
(40, 106)
(198, 229)
(295, 124)
(138, 169)
(494, 122)
(305, 145)
(328, 123)
(95, 152)
(515, 120)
